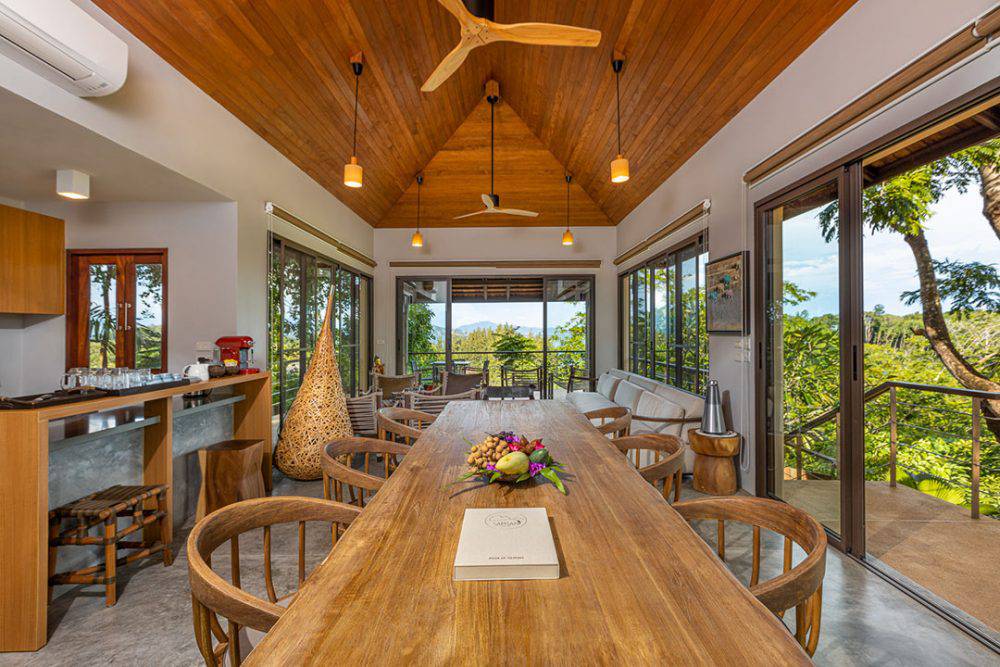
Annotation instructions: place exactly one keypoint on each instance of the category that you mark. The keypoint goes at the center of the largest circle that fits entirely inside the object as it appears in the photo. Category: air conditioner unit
(64, 44)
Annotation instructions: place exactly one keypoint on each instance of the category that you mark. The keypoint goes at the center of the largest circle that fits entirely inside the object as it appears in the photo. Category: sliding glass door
(801, 356)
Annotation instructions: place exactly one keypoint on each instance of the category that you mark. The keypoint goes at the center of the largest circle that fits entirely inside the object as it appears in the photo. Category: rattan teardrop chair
(616, 421)
(338, 472)
(667, 454)
(212, 596)
(800, 586)
(397, 424)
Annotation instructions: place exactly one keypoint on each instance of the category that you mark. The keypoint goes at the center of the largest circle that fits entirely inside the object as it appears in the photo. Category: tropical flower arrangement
(505, 457)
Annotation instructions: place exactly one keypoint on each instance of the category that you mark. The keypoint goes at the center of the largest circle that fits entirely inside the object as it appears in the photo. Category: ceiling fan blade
(469, 215)
(488, 201)
(458, 9)
(451, 62)
(516, 211)
(552, 34)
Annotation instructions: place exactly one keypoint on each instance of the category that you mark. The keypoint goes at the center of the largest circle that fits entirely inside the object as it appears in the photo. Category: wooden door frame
(124, 293)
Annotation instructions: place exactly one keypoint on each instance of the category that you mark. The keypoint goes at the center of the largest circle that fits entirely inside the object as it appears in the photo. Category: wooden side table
(714, 467)
(230, 472)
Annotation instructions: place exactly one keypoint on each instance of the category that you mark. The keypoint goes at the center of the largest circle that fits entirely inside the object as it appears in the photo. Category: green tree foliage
(510, 347)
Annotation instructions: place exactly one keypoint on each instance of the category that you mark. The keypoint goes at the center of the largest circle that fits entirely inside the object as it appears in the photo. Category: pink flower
(537, 444)
(514, 447)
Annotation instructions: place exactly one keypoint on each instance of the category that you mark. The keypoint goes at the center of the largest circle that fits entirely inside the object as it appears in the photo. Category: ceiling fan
(478, 29)
(492, 200)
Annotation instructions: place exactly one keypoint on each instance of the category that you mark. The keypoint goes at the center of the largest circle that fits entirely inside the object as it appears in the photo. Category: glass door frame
(848, 179)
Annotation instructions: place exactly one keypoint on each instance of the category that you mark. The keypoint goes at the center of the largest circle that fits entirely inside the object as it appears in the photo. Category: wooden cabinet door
(32, 263)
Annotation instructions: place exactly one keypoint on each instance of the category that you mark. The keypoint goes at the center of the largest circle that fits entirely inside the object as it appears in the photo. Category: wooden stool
(230, 472)
(105, 507)
(714, 468)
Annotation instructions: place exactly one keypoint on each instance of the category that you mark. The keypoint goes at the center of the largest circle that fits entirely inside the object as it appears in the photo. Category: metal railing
(555, 365)
(808, 437)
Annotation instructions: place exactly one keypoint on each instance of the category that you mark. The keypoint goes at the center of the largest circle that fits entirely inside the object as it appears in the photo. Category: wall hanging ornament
(319, 413)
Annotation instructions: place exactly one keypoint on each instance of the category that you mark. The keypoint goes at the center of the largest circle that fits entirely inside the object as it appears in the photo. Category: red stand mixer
(238, 349)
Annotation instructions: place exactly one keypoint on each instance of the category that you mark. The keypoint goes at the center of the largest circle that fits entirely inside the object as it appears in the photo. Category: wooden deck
(932, 542)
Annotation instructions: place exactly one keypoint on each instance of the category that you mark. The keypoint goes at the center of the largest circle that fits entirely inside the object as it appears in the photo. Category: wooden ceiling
(281, 66)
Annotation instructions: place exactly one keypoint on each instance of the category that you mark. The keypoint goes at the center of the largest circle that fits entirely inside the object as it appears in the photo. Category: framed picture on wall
(727, 295)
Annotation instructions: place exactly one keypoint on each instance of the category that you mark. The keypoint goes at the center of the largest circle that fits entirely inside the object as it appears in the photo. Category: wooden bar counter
(24, 487)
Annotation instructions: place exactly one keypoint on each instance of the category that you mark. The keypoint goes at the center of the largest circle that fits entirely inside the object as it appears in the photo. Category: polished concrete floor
(930, 541)
(866, 621)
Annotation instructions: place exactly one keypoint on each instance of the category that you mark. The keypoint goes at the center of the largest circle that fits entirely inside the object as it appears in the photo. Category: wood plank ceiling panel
(527, 177)
(281, 66)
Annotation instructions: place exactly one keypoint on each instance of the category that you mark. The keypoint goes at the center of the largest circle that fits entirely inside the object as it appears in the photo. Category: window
(300, 282)
(117, 309)
(663, 317)
(530, 326)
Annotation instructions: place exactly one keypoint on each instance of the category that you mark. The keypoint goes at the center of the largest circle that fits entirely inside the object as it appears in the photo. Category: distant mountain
(484, 324)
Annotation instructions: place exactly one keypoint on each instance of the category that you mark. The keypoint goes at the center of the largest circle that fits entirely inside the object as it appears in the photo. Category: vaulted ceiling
(282, 67)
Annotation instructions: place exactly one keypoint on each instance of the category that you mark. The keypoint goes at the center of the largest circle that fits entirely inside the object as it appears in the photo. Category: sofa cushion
(651, 405)
(606, 385)
(627, 394)
(643, 381)
(692, 403)
(585, 401)
(619, 373)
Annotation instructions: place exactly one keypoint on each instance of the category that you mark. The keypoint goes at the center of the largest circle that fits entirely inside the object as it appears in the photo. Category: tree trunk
(989, 188)
(936, 331)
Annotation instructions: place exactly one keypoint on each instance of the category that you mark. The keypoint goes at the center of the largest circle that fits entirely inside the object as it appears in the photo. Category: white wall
(542, 243)
(870, 42)
(198, 237)
(163, 116)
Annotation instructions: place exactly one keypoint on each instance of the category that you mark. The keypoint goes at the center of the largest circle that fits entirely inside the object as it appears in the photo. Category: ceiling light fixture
(619, 166)
(353, 173)
(567, 238)
(72, 184)
(418, 239)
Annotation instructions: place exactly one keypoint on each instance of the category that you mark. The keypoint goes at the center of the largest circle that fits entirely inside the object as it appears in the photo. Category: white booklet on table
(506, 543)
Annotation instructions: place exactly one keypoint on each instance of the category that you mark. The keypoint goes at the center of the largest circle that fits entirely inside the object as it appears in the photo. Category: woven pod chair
(212, 596)
(800, 586)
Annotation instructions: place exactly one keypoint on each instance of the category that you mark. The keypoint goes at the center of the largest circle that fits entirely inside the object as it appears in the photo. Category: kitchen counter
(112, 424)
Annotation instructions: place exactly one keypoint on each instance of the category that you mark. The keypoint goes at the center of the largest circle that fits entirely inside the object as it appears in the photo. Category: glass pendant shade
(353, 173)
(417, 241)
(567, 238)
(619, 170)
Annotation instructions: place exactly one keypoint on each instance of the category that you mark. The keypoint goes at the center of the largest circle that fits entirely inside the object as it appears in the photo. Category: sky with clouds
(957, 231)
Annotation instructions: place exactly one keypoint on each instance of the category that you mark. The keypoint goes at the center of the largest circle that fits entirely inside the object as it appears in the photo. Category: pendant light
(417, 241)
(353, 173)
(567, 238)
(619, 166)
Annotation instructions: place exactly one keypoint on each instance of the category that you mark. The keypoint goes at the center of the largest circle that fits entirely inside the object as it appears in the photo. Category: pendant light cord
(419, 183)
(357, 80)
(618, 105)
(493, 106)
(567, 202)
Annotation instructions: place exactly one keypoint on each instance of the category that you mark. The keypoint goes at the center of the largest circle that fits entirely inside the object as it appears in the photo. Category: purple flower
(533, 468)
(491, 467)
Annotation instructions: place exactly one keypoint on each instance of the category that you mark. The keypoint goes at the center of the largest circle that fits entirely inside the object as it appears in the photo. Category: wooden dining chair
(434, 404)
(616, 421)
(397, 424)
(212, 596)
(339, 474)
(800, 586)
(459, 383)
(667, 454)
(362, 411)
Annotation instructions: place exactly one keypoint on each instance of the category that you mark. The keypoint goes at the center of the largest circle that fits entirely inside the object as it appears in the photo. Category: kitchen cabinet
(32, 263)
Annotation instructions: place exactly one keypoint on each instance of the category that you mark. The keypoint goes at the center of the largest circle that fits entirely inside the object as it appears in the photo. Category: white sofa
(645, 398)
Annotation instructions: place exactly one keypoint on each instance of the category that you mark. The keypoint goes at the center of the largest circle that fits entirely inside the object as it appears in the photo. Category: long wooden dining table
(637, 585)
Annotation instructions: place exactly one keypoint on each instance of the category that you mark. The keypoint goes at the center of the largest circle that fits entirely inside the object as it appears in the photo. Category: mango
(515, 463)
